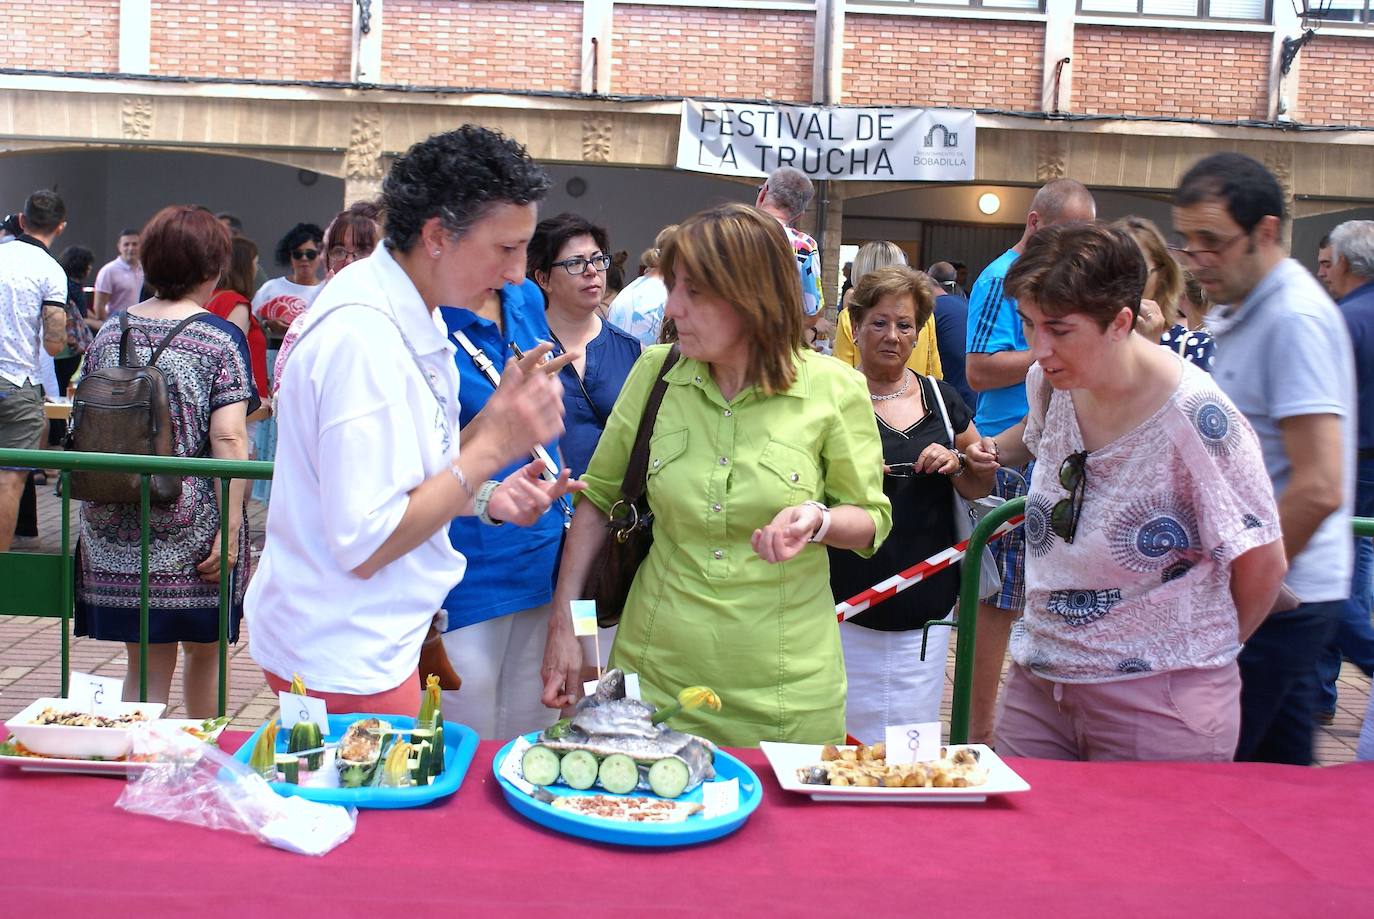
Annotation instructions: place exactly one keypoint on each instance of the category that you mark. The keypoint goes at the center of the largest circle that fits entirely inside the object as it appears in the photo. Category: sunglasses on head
(308, 254)
(1073, 477)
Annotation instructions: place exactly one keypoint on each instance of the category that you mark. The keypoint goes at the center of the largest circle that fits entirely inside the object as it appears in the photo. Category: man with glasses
(1283, 356)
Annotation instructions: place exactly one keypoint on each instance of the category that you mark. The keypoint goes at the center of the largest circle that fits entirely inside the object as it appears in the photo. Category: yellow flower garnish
(297, 685)
(696, 696)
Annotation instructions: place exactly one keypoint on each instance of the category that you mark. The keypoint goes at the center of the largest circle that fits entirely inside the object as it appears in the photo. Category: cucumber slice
(578, 769)
(668, 777)
(619, 774)
(539, 765)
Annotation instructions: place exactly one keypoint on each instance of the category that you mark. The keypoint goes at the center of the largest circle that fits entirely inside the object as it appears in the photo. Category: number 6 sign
(295, 708)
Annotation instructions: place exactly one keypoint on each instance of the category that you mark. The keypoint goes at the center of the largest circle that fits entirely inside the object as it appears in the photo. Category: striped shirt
(994, 326)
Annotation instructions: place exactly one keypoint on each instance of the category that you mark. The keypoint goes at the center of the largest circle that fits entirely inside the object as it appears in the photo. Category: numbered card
(296, 708)
(584, 618)
(95, 694)
(510, 766)
(719, 799)
(631, 686)
(913, 743)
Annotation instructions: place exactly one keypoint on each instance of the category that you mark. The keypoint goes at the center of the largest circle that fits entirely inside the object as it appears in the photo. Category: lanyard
(485, 367)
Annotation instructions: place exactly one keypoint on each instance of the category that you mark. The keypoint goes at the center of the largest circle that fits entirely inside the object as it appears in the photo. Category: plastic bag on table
(194, 782)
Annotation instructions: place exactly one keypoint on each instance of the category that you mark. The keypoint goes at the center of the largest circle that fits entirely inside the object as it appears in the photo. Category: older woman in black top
(924, 464)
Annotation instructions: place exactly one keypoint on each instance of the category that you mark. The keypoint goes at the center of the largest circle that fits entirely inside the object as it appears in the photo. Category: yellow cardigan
(925, 357)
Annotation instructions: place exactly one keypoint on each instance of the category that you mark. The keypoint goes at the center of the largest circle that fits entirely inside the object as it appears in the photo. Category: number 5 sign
(95, 694)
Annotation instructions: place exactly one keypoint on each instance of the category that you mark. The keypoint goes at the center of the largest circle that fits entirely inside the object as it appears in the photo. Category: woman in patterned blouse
(1152, 536)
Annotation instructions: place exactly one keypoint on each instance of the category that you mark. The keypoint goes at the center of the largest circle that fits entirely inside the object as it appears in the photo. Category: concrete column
(829, 234)
(135, 36)
(367, 45)
(597, 19)
(827, 84)
(1283, 90)
(1058, 45)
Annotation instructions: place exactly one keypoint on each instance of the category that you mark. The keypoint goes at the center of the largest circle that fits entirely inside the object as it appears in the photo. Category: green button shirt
(704, 608)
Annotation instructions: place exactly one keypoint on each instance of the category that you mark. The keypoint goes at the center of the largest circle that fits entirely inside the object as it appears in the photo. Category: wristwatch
(483, 499)
(825, 520)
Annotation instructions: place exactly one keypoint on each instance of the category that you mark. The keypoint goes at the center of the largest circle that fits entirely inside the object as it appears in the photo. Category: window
(1356, 11)
(1036, 6)
(1236, 10)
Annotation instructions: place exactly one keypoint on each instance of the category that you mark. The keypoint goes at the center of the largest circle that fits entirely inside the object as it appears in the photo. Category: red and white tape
(912, 576)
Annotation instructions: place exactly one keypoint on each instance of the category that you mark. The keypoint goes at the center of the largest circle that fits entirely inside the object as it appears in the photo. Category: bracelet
(462, 480)
(479, 506)
(825, 520)
(959, 455)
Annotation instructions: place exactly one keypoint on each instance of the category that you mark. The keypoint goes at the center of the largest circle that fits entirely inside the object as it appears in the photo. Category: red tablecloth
(1087, 840)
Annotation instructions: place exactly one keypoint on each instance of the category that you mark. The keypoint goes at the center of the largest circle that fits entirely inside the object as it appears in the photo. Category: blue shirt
(1358, 309)
(993, 326)
(951, 328)
(509, 568)
(610, 355)
(1281, 353)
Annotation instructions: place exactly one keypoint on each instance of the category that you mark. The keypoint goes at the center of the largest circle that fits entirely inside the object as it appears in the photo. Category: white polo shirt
(358, 429)
(29, 278)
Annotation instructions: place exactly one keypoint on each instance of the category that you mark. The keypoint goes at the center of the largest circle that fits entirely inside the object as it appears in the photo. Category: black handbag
(631, 521)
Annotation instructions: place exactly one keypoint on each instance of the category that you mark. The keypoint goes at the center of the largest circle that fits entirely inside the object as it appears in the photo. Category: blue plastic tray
(460, 743)
(687, 832)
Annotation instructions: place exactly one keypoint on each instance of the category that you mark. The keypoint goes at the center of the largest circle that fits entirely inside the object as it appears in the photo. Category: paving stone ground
(30, 663)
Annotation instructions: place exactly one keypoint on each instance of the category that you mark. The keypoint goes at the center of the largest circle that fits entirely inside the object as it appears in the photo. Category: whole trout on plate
(611, 727)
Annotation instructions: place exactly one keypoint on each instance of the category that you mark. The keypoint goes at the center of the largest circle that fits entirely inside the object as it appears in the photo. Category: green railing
(967, 628)
(145, 466)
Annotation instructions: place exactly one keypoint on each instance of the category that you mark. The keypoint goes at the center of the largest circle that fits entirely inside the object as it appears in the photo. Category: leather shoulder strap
(636, 470)
(176, 330)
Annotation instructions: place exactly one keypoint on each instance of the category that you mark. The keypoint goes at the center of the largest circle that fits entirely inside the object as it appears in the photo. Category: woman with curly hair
(282, 299)
(369, 468)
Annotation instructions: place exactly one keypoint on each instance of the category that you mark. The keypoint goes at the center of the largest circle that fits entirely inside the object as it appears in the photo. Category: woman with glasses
(925, 356)
(568, 259)
(1153, 542)
(924, 426)
(763, 453)
(282, 299)
(350, 236)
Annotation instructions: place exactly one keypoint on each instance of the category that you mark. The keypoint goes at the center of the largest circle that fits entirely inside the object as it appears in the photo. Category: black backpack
(124, 409)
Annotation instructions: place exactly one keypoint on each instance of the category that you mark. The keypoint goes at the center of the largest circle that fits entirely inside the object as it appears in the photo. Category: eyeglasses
(1073, 477)
(308, 254)
(342, 255)
(577, 264)
(1176, 245)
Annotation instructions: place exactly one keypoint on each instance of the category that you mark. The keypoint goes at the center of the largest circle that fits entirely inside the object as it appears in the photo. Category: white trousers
(888, 681)
(499, 661)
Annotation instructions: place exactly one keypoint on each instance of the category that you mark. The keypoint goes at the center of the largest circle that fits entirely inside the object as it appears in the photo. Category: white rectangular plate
(93, 766)
(787, 758)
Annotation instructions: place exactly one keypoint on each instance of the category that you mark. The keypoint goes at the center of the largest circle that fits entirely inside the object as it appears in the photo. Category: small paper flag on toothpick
(584, 618)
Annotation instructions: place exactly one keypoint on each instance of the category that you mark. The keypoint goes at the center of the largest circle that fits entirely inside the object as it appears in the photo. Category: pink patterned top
(1145, 585)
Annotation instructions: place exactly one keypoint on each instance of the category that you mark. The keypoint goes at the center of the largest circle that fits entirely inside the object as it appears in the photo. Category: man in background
(118, 283)
(1350, 279)
(786, 195)
(1284, 358)
(951, 329)
(33, 320)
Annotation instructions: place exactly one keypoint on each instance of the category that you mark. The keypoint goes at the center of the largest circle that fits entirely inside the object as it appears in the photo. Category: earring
(436, 253)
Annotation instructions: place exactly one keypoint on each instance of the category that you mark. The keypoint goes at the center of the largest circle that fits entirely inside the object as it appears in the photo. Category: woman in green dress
(763, 453)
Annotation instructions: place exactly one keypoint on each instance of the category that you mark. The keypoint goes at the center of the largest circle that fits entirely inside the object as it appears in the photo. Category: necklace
(906, 382)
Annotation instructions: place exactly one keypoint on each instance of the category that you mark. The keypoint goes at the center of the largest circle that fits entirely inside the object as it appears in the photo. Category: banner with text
(886, 145)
